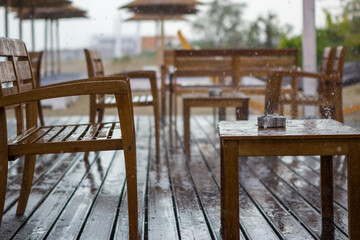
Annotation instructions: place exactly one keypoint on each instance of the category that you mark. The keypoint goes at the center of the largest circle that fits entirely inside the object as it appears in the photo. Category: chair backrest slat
(94, 63)
(327, 61)
(36, 58)
(339, 61)
(16, 72)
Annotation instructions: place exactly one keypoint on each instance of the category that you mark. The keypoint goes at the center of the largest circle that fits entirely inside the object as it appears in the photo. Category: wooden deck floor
(72, 198)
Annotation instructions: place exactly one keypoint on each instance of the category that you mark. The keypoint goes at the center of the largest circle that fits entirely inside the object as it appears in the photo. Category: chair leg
(92, 115)
(131, 183)
(40, 112)
(28, 176)
(157, 130)
(175, 110)
(3, 180)
(170, 107)
(101, 114)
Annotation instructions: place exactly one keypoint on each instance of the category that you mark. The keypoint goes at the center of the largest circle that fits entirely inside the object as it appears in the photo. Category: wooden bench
(18, 88)
(232, 63)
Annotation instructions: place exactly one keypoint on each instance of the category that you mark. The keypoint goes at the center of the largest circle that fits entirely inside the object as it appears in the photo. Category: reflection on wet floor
(179, 198)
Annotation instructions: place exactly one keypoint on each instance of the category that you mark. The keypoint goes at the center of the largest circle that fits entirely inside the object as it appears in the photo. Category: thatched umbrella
(53, 14)
(162, 10)
(31, 4)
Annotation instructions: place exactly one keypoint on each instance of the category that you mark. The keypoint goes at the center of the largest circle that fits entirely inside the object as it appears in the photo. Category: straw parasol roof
(161, 10)
(33, 3)
(67, 11)
(144, 17)
(165, 7)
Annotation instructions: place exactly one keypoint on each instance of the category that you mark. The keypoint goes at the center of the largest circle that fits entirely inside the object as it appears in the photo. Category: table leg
(186, 116)
(171, 92)
(229, 190)
(354, 189)
(242, 113)
(327, 196)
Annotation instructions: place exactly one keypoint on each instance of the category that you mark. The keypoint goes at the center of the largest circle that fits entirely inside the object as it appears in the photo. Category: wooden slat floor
(72, 198)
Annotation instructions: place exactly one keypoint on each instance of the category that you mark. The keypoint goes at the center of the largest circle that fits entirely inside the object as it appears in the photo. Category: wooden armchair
(99, 102)
(329, 97)
(36, 58)
(18, 87)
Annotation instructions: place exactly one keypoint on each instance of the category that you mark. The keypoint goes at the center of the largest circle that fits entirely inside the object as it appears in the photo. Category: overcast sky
(104, 18)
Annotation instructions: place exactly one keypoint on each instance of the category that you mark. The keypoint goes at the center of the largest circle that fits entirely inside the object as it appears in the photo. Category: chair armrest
(308, 75)
(74, 88)
(151, 75)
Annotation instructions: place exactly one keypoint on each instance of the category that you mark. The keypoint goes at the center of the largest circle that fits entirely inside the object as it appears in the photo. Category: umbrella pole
(46, 48)
(162, 39)
(157, 46)
(20, 22)
(58, 46)
(33, 28)
(52, 46)
(6, 18)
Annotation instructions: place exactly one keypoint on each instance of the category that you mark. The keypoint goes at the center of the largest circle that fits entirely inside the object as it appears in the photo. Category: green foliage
(220, 25)
(339, 30)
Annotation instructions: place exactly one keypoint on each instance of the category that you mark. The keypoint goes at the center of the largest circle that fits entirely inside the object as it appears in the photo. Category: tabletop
(295, 129)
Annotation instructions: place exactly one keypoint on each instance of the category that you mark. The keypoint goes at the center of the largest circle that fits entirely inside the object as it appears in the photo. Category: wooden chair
(36, 58)
(18, 87)
(98, 103)
(329, 97)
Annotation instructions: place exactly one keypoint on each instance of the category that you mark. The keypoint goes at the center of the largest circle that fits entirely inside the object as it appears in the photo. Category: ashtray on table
(215, 92)
(271, 121)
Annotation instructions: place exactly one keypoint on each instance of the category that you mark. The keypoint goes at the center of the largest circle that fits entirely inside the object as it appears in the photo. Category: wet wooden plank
(278, 198)
(313, 177)
(100, 222)
(74, 215)
(161, 221)
(192, 223)
(48, 169)
(43, 164)
(143, 167)
(309, 192)
(307, 215)
(252, 218)
(50, 135)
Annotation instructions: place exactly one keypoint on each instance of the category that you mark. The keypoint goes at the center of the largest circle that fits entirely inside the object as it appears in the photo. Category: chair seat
(67, 138)
(138, 100)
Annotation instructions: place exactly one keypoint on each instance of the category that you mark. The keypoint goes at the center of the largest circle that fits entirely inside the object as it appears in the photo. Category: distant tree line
(222, 26)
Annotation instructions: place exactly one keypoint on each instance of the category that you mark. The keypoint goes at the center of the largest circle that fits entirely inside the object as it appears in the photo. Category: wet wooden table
(237, 100)
(323, 137)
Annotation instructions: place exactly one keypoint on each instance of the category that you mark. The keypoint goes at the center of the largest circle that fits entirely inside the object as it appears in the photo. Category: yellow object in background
(184, 42)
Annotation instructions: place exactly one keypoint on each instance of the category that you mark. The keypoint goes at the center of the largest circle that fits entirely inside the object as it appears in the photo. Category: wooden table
(323, 137)
(237, 100)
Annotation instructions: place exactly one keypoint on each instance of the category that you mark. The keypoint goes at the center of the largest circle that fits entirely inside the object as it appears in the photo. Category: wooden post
(7, 18)
(32, 29)
(20, 22)
(46, 48)
(309, 52)
(162, 39)
(58, 47)
(52, 46)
